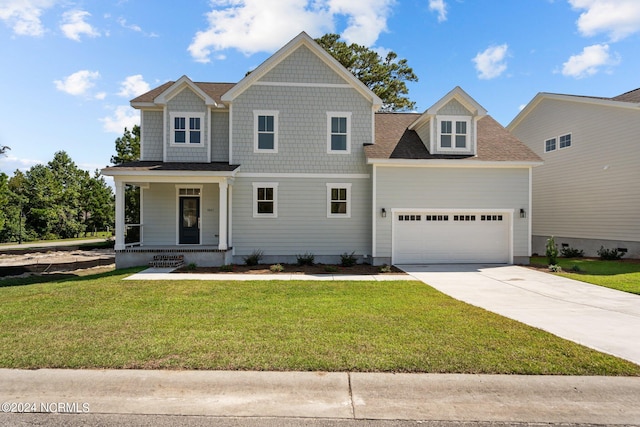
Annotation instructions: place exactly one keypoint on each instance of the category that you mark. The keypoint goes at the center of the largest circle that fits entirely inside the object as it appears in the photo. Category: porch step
(167, 261)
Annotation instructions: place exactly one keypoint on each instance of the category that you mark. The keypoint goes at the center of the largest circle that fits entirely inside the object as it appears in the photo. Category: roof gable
(303, 39)
(177, 87)
(457, 94)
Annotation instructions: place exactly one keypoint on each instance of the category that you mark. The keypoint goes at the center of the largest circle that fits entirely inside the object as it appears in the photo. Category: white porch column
(119, 215)
(223, 208)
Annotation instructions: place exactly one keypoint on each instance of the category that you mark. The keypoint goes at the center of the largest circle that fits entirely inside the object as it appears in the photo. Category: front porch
(184, 210)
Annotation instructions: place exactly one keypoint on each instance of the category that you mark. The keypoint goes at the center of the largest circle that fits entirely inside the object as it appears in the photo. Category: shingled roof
(394, 140)
(214, 90)
(631, 96)
(158, 166)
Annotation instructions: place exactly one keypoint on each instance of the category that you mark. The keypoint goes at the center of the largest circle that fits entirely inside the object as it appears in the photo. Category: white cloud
(101, 96)
(589, 61)
(265, 25)
(439, 6)
(10, 163)
(23, 16)
(74, 25)
(123, 117)
(618, 18)
(133, 86)
(491, 62)
(78, 83)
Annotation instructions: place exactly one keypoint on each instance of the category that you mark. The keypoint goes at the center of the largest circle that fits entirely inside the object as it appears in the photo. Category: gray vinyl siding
(424, 132)
(160, 214)
(303, 66)
(588, 190)
(219, 136)
(452, 188)
(302, 224)
(188, 102)
(302, 134)
(151, 126)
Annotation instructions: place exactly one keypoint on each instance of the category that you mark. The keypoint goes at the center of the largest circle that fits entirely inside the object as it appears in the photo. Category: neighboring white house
(586, 194)
(295, 159)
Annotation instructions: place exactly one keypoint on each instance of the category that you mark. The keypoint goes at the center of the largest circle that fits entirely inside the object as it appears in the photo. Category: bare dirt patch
(81, 262)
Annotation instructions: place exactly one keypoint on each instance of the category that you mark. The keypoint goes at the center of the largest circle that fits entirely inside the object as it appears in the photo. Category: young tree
(386, 77)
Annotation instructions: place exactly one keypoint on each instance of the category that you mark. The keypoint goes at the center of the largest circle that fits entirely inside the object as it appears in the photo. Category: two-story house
(295, 159)
(585, 194)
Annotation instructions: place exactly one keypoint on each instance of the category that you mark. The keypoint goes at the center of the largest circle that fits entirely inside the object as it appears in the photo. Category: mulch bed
(358, 269)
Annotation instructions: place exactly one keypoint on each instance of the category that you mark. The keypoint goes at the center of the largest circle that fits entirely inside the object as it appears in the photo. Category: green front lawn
(404, 326)
(620, 275)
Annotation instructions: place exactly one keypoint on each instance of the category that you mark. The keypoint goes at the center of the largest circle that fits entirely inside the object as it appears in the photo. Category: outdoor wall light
(523, 214)
(383, 212)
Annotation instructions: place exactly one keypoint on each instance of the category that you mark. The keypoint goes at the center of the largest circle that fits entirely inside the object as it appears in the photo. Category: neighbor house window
(453, 133)
(565, 141)
(265, 199)
(186, 128)
(338, 200)
(266, 131)
(550, 145)
(339, 132)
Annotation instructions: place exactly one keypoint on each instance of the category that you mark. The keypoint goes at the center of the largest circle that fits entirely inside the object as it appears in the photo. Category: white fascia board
(145, 105)
(448, 163)
(180, 85)
(568, 98)
(169, 176)
(461, 96)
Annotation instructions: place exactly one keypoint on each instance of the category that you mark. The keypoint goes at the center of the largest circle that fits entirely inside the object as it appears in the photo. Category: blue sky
(69, 68)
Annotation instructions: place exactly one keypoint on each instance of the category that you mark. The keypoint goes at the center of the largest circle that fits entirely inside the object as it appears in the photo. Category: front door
(189, 220)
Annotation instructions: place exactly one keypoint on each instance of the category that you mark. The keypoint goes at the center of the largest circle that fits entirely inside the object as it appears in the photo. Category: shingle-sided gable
(303, 66)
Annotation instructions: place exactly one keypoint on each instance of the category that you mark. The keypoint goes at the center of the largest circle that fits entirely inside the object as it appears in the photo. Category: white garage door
(454, 237)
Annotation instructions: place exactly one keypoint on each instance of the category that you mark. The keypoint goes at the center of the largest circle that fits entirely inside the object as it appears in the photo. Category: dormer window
(453, 133)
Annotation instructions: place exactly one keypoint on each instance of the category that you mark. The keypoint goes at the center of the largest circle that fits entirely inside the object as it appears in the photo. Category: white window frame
(555, 144)
(256, 186)
(256, 115)
(187, 115)
(453, 120)
(339, 114)
(337, 185)
(560, 147)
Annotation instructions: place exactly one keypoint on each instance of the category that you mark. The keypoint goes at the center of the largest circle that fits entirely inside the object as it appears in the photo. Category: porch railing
(132, 235)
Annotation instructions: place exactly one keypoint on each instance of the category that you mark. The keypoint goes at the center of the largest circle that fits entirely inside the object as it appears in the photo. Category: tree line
(54, 201)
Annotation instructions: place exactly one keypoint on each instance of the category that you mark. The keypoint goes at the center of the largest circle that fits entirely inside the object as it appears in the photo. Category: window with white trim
(564, 141)
(550, 145)
(265, 124)
(338, 200)
(453, 133)
(339, 132)
(186, 128)
(265, 199)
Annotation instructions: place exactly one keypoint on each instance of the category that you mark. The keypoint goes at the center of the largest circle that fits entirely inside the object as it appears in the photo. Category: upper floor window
(339, 132)
(265, 199)
(266, 131)
(186, 128)
(453, 133)
(563, 141)
(338, 200)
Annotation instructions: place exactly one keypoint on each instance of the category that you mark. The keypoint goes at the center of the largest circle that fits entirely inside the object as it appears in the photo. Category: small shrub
(348, 260)
(192, 266)
(385, 268)
(276, 268)
(254, 258)
(551, 251)
(609, 254)
(569, 252)
(226, 267)
(331, 269)
(554, 268)
(306, 259)
(576, 269)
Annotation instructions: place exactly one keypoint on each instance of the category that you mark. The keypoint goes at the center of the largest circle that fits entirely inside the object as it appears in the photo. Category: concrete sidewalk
(499, 398)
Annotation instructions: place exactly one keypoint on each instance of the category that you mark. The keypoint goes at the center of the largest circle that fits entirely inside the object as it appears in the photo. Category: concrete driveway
(603, 319)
